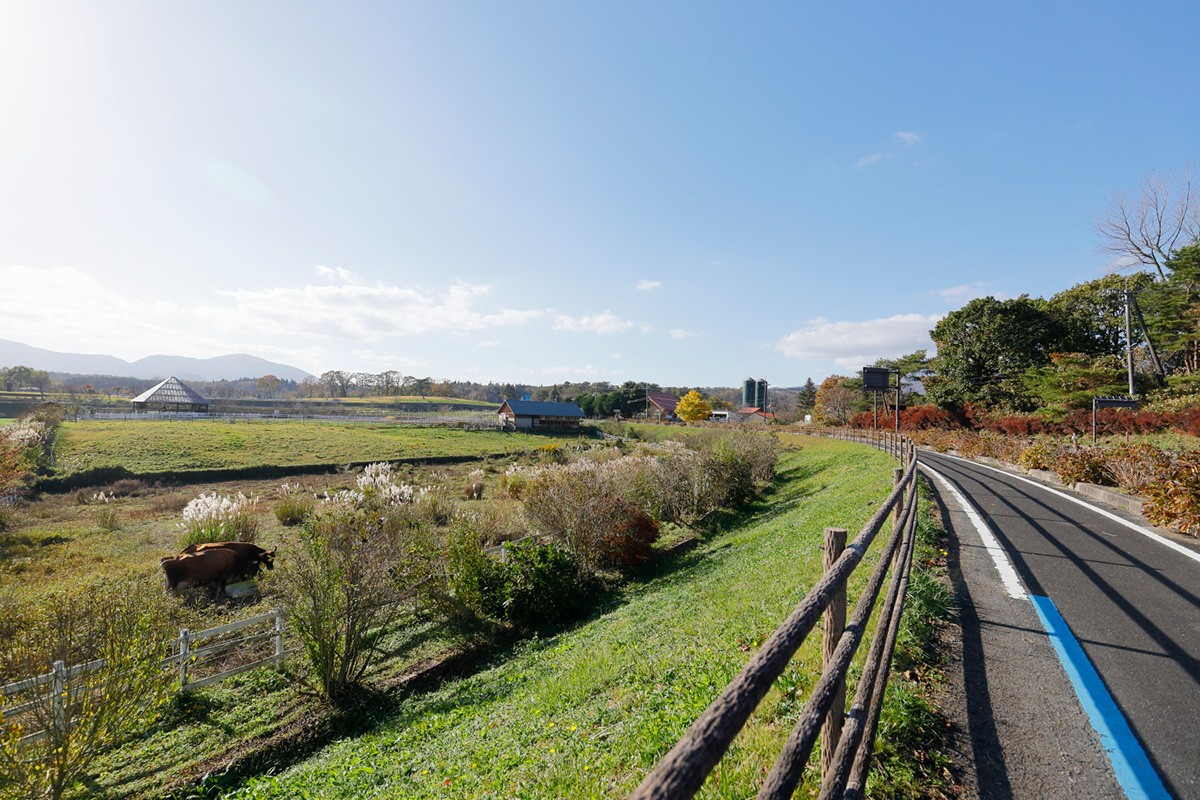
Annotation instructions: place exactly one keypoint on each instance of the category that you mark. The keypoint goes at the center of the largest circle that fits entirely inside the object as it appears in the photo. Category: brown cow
(256, 557)
(218, 566)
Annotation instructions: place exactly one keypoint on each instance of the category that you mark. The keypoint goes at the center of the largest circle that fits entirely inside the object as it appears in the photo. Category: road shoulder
(1018, 730)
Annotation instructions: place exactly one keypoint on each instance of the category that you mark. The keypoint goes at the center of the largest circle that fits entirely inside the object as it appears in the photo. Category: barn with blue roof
(533, 415)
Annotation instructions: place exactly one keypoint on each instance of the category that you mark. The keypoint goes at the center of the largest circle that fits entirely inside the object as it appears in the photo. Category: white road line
(1149, 534)
(1008, 575)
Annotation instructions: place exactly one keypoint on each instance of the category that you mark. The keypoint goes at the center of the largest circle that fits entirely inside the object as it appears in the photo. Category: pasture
(580, 711)
(156, 446)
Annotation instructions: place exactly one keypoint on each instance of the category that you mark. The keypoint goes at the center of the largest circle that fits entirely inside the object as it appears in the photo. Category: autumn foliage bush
(1173, 498)
(1089, 465)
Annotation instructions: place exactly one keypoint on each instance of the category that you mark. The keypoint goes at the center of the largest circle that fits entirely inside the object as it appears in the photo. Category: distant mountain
(229, 367)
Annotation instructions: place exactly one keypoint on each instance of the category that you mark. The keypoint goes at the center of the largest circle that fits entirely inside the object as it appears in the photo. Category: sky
(536, 192)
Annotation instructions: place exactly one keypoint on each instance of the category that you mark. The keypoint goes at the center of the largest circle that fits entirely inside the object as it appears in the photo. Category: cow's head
(267, 559)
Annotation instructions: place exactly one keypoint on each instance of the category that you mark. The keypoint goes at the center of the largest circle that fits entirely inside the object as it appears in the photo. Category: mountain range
(230, 367)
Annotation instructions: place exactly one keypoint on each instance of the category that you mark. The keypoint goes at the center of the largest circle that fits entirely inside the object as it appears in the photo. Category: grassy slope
(589, 711)
(153, 446)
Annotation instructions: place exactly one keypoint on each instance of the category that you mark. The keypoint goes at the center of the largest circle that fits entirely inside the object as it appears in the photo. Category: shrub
(631, 544)
(475, 485)
(1083, 466)
(926, 417)
(126, 625)
(126, 487)
(513, 482)
(533, 583)
(1039, 455)
(1135, 467)
(295, 504)
(340, 588)
(218, 518)
(1173, 499)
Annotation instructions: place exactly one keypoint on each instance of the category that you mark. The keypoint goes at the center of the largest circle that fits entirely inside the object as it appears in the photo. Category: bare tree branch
(1148, 231)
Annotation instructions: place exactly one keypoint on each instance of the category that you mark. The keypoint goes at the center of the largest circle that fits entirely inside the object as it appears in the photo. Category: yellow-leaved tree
(693, 407)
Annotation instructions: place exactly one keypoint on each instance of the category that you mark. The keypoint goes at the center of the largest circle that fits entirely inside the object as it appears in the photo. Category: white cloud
(871, 160)
(607, 322)
(680, 333)
(68, 310)
(909, 137)
(337, 274)
(360, 312)
(488, 343)
(296, 320)
(853, 344)
(646, 286)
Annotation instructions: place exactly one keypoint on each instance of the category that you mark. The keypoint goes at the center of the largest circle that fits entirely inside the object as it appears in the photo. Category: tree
(808, 395)
(268, 385)
(1093, 313)
(336, 382)
(835, 400)
(1146, 230)
(1071, 380)
(1172, 309)
(692, 407)
(986, 346)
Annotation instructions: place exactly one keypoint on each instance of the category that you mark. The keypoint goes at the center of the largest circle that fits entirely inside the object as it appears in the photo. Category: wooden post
(897, 477)
(184, 639)
(835, 624)
(58, 691)
(278, 638)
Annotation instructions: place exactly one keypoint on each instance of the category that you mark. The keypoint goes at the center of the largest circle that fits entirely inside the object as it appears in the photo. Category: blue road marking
(1133, 769)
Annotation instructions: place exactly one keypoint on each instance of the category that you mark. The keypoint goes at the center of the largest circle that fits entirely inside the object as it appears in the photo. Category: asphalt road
(1132, 603)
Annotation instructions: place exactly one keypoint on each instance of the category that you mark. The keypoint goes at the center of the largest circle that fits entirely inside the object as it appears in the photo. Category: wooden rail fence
(194, 659)
(848, 736)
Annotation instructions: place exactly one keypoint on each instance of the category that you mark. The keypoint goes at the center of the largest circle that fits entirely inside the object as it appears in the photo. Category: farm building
(661, 406)
(170, 395)
(530, 414)
(754, 415)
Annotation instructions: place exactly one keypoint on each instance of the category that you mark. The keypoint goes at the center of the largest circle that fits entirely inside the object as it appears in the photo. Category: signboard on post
(877, 379)
(1110, 402)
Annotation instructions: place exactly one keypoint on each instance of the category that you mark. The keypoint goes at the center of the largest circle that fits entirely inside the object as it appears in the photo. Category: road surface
(1081, 634)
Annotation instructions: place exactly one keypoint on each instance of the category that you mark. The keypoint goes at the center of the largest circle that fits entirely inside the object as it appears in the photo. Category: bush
(533, 583)
(126, 625)
(1039, 455)
(475, 485)
(218, 518)
(1135, 467)
(342, 585)
(631, 544)
(1083, 466)
(1173, 499)
(295, 504)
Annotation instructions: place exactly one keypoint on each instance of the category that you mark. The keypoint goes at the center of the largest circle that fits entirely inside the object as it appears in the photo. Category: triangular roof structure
(171, 392)
(667, 402)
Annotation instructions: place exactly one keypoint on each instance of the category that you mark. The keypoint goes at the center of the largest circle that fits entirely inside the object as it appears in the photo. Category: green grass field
(6, 421)
(586, 713)
(147, 446)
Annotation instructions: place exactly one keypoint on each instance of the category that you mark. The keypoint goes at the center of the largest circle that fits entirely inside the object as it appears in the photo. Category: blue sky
(684, 193)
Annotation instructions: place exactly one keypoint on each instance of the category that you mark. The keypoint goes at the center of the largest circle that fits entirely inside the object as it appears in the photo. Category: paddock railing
(848, 736)
(202, 658)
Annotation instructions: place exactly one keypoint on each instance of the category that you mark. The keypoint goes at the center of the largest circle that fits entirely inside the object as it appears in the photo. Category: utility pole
(1128, 340)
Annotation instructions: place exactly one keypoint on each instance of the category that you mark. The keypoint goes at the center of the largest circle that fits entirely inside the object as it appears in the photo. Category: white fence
(192, 656)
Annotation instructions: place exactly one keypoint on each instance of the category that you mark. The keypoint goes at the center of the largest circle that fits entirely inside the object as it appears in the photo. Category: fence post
(278, 638)
(897, 477)
(835, 624)
(58, 691)
(184, 641)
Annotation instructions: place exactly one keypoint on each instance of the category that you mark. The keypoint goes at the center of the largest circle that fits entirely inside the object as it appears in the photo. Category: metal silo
(760, 394)
(749, 389)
